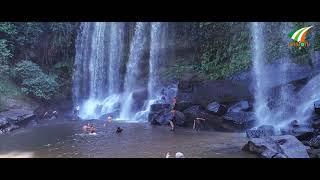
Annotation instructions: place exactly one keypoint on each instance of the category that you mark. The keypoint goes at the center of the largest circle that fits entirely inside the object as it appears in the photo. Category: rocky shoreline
(18, 114)
(21, 113)
(227, 105)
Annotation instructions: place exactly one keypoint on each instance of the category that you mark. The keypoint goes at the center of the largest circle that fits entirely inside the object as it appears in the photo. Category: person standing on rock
(197, 123)
(55, 114)
(163, 99)
(173, 111)
(174, 102)
(46, 115)
(173, 120)
(76, 112)
(168, 155)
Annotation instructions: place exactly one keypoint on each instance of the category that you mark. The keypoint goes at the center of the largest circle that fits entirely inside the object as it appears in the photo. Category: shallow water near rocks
(138, 140)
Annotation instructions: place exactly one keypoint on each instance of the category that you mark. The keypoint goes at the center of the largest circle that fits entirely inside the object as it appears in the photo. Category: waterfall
(97, 64)
(284, 107)
(79, 88)
(137, 48)
(158, 45)
(279, 108)
(115, 57)
(112, 78)
(307, 96)
(261, 104)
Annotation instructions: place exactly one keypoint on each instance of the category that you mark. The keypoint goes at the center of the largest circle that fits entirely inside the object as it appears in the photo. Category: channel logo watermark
(299, 37)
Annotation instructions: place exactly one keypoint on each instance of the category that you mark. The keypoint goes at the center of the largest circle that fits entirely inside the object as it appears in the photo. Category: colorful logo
(299, 37)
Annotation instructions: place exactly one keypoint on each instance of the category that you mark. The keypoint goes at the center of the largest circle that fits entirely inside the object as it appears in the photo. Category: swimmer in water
(119, 130)
(92, 129)
(86, 127)
(109, 120)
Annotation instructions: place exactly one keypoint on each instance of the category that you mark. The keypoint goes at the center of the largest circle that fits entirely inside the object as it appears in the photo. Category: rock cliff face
(17, 114)
(286, 146)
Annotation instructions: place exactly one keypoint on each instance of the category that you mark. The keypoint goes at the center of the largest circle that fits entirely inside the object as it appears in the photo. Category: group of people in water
(91, 128)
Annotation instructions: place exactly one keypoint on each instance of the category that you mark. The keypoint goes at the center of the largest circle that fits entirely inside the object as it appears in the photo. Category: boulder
(216, 108)
(212, 121)
(24, 119)
(193, 112)
(156, 111)
(316, 124)
(221, 91)
(314, 153)
(18, 116)
(301, 132)
(180, 118)
(263, 147)
(183, 105)
(315, 142)
(286, 146)
(139, 96)
(269, 129)
(262, 131)
(165, 118)
(294, 123)
(153, 117)
(4, 123)
(160, 114)
(240, 106)
(159, 107)
(240, 120)
(13, 127)
(255, 133)
(317, 107)
(14, 114)
(291, 147)
(15, 118)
